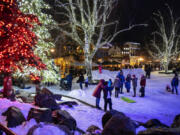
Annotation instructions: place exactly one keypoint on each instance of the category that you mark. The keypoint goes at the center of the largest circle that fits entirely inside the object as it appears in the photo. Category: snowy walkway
(157, 104)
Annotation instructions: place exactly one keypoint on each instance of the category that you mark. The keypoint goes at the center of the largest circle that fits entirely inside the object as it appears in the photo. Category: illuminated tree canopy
(44, 44)
(17, 42)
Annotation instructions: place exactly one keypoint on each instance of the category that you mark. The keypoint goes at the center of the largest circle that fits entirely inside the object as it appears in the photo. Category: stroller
(64, 84)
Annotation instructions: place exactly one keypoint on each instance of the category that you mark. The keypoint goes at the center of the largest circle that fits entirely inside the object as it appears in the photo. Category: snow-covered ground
(156, 104)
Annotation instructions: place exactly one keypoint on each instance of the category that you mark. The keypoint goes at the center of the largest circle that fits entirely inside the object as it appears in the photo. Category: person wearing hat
(134, 84)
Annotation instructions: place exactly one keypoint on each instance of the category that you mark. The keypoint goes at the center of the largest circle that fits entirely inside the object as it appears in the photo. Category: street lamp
(52, 50)
(140, 59)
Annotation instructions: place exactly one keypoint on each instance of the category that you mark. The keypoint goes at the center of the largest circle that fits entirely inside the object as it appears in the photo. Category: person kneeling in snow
(107, 96)
(142, 84)
(168, 89)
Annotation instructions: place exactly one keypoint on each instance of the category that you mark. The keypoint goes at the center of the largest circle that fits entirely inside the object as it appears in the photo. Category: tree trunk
(166, 65)
(7, 86)
(88, 64)
(88, 59)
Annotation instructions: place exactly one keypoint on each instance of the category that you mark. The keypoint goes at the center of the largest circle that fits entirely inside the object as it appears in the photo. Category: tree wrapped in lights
(86, 22)
(165, 44)
(44, 45)
(17, 42)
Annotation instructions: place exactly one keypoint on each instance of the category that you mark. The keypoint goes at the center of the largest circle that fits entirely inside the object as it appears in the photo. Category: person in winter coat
(100, 69)
(69, 79)
(81, 81)
(175, 83)
(128, 83)
(142, 84)
(117, 85)
(86, 82)
(122, 80)
(107, 96)
(134, 84)
(97, 92)
(109, 83)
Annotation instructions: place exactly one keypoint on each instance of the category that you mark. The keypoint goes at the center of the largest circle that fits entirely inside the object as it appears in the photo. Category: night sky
(136, 12)
(141, 11)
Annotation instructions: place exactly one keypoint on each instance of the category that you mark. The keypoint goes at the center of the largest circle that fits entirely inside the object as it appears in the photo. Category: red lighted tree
(17, 42)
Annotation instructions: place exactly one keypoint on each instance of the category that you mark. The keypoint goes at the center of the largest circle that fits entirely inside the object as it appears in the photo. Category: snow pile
(48, 130)
(77, 93)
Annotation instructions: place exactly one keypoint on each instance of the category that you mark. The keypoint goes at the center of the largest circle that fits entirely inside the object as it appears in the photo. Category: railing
(6, 130)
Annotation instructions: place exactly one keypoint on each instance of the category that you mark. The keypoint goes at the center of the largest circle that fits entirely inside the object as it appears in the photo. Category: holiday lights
(17, 40)
(43, 46)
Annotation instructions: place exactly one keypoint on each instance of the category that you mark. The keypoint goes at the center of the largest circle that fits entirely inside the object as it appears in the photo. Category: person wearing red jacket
(97, 92)
(142, 84)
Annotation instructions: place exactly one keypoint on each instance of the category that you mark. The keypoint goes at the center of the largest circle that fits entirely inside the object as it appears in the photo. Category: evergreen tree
(44, 44)
(17, 42)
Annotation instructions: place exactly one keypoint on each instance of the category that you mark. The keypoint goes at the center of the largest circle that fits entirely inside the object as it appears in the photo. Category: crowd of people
(118, 84)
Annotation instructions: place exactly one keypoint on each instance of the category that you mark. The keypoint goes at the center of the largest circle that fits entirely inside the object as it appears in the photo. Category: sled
(128, 100)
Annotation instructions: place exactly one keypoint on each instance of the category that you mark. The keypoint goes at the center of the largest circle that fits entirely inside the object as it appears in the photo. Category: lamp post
(140, 60)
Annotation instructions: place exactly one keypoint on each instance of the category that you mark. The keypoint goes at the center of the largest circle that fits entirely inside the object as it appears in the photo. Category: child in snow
(175, 83)
(134, 84)
(168, 89)
(109, 83)
(128, 83)
(107, 96)
(142, 84)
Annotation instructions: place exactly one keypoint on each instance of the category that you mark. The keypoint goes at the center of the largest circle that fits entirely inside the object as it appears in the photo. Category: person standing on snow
(117, 85)
(100, 69)
(97, 92)
(122, 80)
(134, 84)
(86, 82)
(109, 83)
(107, 96)
(128, 83)
(175, 83)
(142, 84)
(81, 81)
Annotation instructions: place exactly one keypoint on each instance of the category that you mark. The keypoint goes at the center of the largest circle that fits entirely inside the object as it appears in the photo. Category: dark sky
(136, 12)
(140, 11)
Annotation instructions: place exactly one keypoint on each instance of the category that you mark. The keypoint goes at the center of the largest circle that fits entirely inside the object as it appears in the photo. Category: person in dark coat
(81, 81)
(97, 92)
(117, 85)
(107, 96)
(128, 83)
(122, 80)
(175, 83)
(148, 71)
(86, 82)
(69, 79)
(134, 84)
(142, 84)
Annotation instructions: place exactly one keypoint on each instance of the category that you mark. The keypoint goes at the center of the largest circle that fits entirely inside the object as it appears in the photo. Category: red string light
(17, 38)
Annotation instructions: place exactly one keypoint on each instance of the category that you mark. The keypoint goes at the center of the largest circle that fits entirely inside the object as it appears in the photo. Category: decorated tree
(165, 44)
(44, 44)
(17, 42)
(87, 23)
